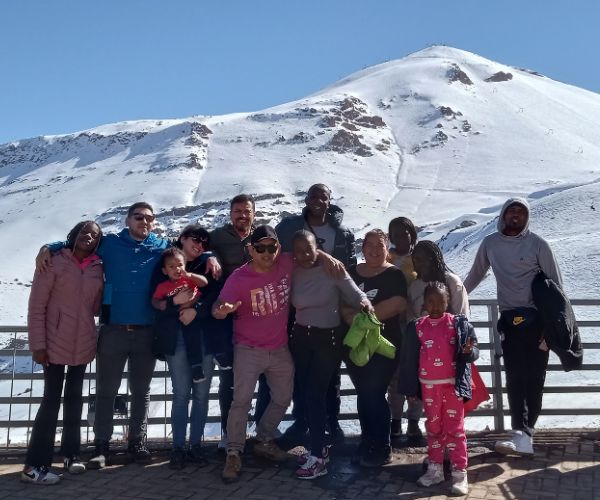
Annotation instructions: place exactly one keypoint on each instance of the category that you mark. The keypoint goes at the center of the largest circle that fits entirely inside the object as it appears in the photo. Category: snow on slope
(425, 136)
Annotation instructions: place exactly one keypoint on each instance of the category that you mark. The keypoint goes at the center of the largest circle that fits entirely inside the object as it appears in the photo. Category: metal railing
(21, 381)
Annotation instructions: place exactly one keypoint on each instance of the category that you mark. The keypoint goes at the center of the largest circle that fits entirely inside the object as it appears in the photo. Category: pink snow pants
(445, 424)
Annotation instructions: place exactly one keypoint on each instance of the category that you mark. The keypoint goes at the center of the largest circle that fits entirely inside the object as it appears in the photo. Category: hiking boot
(460, 485)
(270, 451)
(39, 475)
(196, 455)
(336, 433)
(138, 452)
(434, 475)
(99, 459)
(302, 459)
(233, 466)
(376, 456)
(520, 444)
(74, 465)
(313, 468)
(396, 428)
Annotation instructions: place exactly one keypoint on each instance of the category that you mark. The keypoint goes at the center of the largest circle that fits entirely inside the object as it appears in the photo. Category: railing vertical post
(496, 368)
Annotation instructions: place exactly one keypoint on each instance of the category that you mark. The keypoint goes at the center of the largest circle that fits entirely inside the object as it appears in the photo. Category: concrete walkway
(566, 467)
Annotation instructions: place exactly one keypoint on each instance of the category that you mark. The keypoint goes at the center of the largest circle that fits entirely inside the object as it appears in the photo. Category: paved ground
(566, 466)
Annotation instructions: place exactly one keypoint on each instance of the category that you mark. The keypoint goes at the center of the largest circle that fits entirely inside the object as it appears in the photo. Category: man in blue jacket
(129, 259)
(324, 220)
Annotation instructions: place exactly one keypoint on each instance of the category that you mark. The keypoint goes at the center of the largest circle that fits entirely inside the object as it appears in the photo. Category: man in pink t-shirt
(258, 294)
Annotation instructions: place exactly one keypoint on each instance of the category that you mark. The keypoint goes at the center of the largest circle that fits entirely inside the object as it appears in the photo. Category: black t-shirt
(389, 283)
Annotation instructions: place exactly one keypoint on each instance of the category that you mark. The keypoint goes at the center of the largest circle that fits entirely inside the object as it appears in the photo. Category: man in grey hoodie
(516, 255)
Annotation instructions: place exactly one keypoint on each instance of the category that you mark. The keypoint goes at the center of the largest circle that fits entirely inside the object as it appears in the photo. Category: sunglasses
(141, 217)
(199, 239)
(266, 248)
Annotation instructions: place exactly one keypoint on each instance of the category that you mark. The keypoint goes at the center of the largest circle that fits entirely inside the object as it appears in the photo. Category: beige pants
(248, 364)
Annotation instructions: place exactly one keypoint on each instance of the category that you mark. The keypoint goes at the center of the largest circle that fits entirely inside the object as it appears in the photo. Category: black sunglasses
(199, 239)
(266, 248)
(141, 217)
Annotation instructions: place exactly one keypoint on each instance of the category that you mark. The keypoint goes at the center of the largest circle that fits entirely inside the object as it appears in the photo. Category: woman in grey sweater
(316, 341)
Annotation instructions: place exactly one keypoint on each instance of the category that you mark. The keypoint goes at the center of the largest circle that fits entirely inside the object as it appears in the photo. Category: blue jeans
(183, 389)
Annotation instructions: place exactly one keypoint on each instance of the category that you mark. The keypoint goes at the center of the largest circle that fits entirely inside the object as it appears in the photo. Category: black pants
(525, 366)
(371, 382)
(317, 354)
(41, 444)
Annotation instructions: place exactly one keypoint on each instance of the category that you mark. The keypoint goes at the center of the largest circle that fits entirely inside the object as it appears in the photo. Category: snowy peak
(442, 136)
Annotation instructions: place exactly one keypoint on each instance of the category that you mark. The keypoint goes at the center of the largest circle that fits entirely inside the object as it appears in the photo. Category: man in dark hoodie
(324, 220)
(516, 255)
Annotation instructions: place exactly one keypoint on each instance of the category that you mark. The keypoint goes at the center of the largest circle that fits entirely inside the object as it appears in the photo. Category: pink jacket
(62, 305)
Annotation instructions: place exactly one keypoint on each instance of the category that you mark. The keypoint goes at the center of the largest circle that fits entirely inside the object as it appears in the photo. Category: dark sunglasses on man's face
(266, 248)
(141, 217)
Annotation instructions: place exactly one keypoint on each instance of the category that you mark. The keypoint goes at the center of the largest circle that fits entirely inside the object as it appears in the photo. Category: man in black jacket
(324, 220)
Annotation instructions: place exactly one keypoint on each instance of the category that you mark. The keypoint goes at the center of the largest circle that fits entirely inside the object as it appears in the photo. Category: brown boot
(270, 451)
(233, 465)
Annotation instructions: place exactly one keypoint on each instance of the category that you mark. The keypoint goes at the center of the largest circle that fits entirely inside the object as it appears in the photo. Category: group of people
(272, 306)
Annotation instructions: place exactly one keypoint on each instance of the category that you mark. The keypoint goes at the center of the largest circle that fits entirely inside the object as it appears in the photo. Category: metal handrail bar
(493, 370)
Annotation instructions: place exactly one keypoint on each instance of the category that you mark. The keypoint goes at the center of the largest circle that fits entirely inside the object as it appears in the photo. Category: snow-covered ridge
(443, 136)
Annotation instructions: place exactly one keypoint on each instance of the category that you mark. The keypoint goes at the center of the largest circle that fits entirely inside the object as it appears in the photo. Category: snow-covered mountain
(442, 136)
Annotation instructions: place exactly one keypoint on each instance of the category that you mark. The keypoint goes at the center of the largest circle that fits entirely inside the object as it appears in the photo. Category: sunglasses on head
(265, 248)
(141, 217)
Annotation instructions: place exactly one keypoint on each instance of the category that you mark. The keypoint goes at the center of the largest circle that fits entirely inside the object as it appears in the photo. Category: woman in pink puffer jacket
(62, 334)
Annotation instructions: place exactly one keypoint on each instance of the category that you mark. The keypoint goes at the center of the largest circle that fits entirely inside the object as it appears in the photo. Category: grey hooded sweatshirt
(515, 260)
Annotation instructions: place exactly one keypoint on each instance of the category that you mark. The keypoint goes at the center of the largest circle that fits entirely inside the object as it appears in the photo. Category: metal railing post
(495, 353)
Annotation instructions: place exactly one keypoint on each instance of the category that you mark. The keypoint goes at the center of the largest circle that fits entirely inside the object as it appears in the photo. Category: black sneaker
(336, 434)
(139, 453)
(196, 455)
(74, 465)
(177, 460)
(396, 428)
(99, 459)
(376, 456)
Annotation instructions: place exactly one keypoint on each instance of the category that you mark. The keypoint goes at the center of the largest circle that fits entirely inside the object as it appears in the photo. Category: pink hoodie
(62, 305)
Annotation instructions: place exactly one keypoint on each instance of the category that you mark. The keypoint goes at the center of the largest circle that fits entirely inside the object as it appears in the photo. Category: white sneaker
(460, 485)
(520, 444)
(434, 475)
(39, 475)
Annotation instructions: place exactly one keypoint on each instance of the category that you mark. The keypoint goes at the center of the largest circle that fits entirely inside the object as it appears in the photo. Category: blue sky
(72, 65)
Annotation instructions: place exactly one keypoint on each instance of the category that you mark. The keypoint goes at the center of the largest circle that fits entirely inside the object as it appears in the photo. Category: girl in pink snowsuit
(446, 345)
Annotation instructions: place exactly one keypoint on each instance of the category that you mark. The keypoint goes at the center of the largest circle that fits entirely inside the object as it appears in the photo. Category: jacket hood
(521, 201)
(334, 215)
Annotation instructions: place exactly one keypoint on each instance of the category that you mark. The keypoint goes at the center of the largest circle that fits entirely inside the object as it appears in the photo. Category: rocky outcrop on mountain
(456, 74)
(500, 76)
(348, 117)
